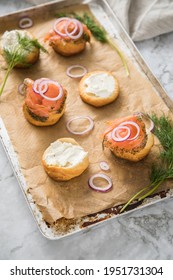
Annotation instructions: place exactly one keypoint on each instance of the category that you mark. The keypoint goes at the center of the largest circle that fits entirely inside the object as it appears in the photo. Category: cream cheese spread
(10, 39)
(64, 154)
(101, 85)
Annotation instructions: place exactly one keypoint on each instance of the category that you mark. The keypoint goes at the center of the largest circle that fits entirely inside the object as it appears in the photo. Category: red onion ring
(21, 89)
(99, 189)
(37, 82)
(78, 25)
(123, 126)
(70, 34)
(120, 139)
(151, 128)
(68, 72)
(55, 26)
(104, 165)
(143, 115)
(25, 22)
(41, 90)
(90, 127)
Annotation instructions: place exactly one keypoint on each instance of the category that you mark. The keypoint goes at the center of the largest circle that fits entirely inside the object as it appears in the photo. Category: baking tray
(104, 14)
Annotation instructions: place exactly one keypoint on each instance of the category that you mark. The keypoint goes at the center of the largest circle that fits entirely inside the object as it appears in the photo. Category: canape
(128, 138)
(68, 36)
(45, 101)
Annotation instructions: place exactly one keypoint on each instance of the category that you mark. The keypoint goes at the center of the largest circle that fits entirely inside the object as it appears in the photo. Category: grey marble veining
(144, 234)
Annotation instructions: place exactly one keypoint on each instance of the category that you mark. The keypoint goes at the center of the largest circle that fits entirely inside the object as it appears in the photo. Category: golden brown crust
(95, 100)
(31, 58)
(68, 48)
(59, 173)
(33, 119)
(136, 155)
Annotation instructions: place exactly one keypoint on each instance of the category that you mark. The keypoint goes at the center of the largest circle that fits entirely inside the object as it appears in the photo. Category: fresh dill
(98, 32)
(17, 54)
(162, 171)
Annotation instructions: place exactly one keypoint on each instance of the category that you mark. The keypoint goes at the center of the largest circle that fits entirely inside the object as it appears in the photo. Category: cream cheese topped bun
(23, 42)
(65, 159)
(99, 88)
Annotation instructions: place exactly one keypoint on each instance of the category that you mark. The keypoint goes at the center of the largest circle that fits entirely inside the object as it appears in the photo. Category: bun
(65, 45)
(132, 150)
(98, 88)
(65, 166)
(39, 111)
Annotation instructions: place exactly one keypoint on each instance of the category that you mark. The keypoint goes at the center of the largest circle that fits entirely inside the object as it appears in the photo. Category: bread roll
(99, 88)
(65, 159)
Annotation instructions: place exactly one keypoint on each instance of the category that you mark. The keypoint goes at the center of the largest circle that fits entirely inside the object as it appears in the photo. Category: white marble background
(145, 234)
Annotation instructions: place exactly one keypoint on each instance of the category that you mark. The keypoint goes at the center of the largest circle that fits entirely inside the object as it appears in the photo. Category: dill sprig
(17, 55)
(162, 171)
(98, 32)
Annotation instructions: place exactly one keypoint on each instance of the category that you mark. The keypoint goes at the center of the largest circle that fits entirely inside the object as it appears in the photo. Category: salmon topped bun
(68, 36)
(45, 101)
(128, 138)
(22, 45)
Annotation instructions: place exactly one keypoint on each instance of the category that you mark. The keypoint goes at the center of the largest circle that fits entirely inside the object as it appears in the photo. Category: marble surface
(144, 234)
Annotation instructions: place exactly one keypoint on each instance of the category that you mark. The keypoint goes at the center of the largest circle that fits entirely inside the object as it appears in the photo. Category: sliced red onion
(90, 127)
(68, 72)
(68, 23)
(37, 82)
(104, 165)
(80, 28)
(143, 115)
(22, 89)
(55, 26)
(151, 128)
(25, 22)
(99, 189)
(44, 83)
(135, 125)
(118, 138)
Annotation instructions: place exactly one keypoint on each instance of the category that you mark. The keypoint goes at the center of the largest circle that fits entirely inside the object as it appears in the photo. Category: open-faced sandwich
(68, 36)
(99, 88)
(128, 138)
(65, 159)
(45, 101)
(19, 47)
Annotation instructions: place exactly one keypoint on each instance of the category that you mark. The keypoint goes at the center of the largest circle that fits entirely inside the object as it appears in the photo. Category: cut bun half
(65, 159)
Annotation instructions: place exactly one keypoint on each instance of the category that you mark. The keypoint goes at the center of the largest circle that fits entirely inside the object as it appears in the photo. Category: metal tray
(104, 14)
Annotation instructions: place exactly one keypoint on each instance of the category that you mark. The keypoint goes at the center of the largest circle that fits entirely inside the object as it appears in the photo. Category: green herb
(18, 55)
(98, 32)
(27, 44)
(164, 170)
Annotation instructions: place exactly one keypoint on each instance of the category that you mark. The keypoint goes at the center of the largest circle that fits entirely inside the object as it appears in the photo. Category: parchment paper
(74, 198)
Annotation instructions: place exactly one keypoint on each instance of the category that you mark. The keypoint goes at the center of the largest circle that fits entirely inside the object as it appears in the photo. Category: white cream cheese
(101, 85)
(10, 39)
(64, 154)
